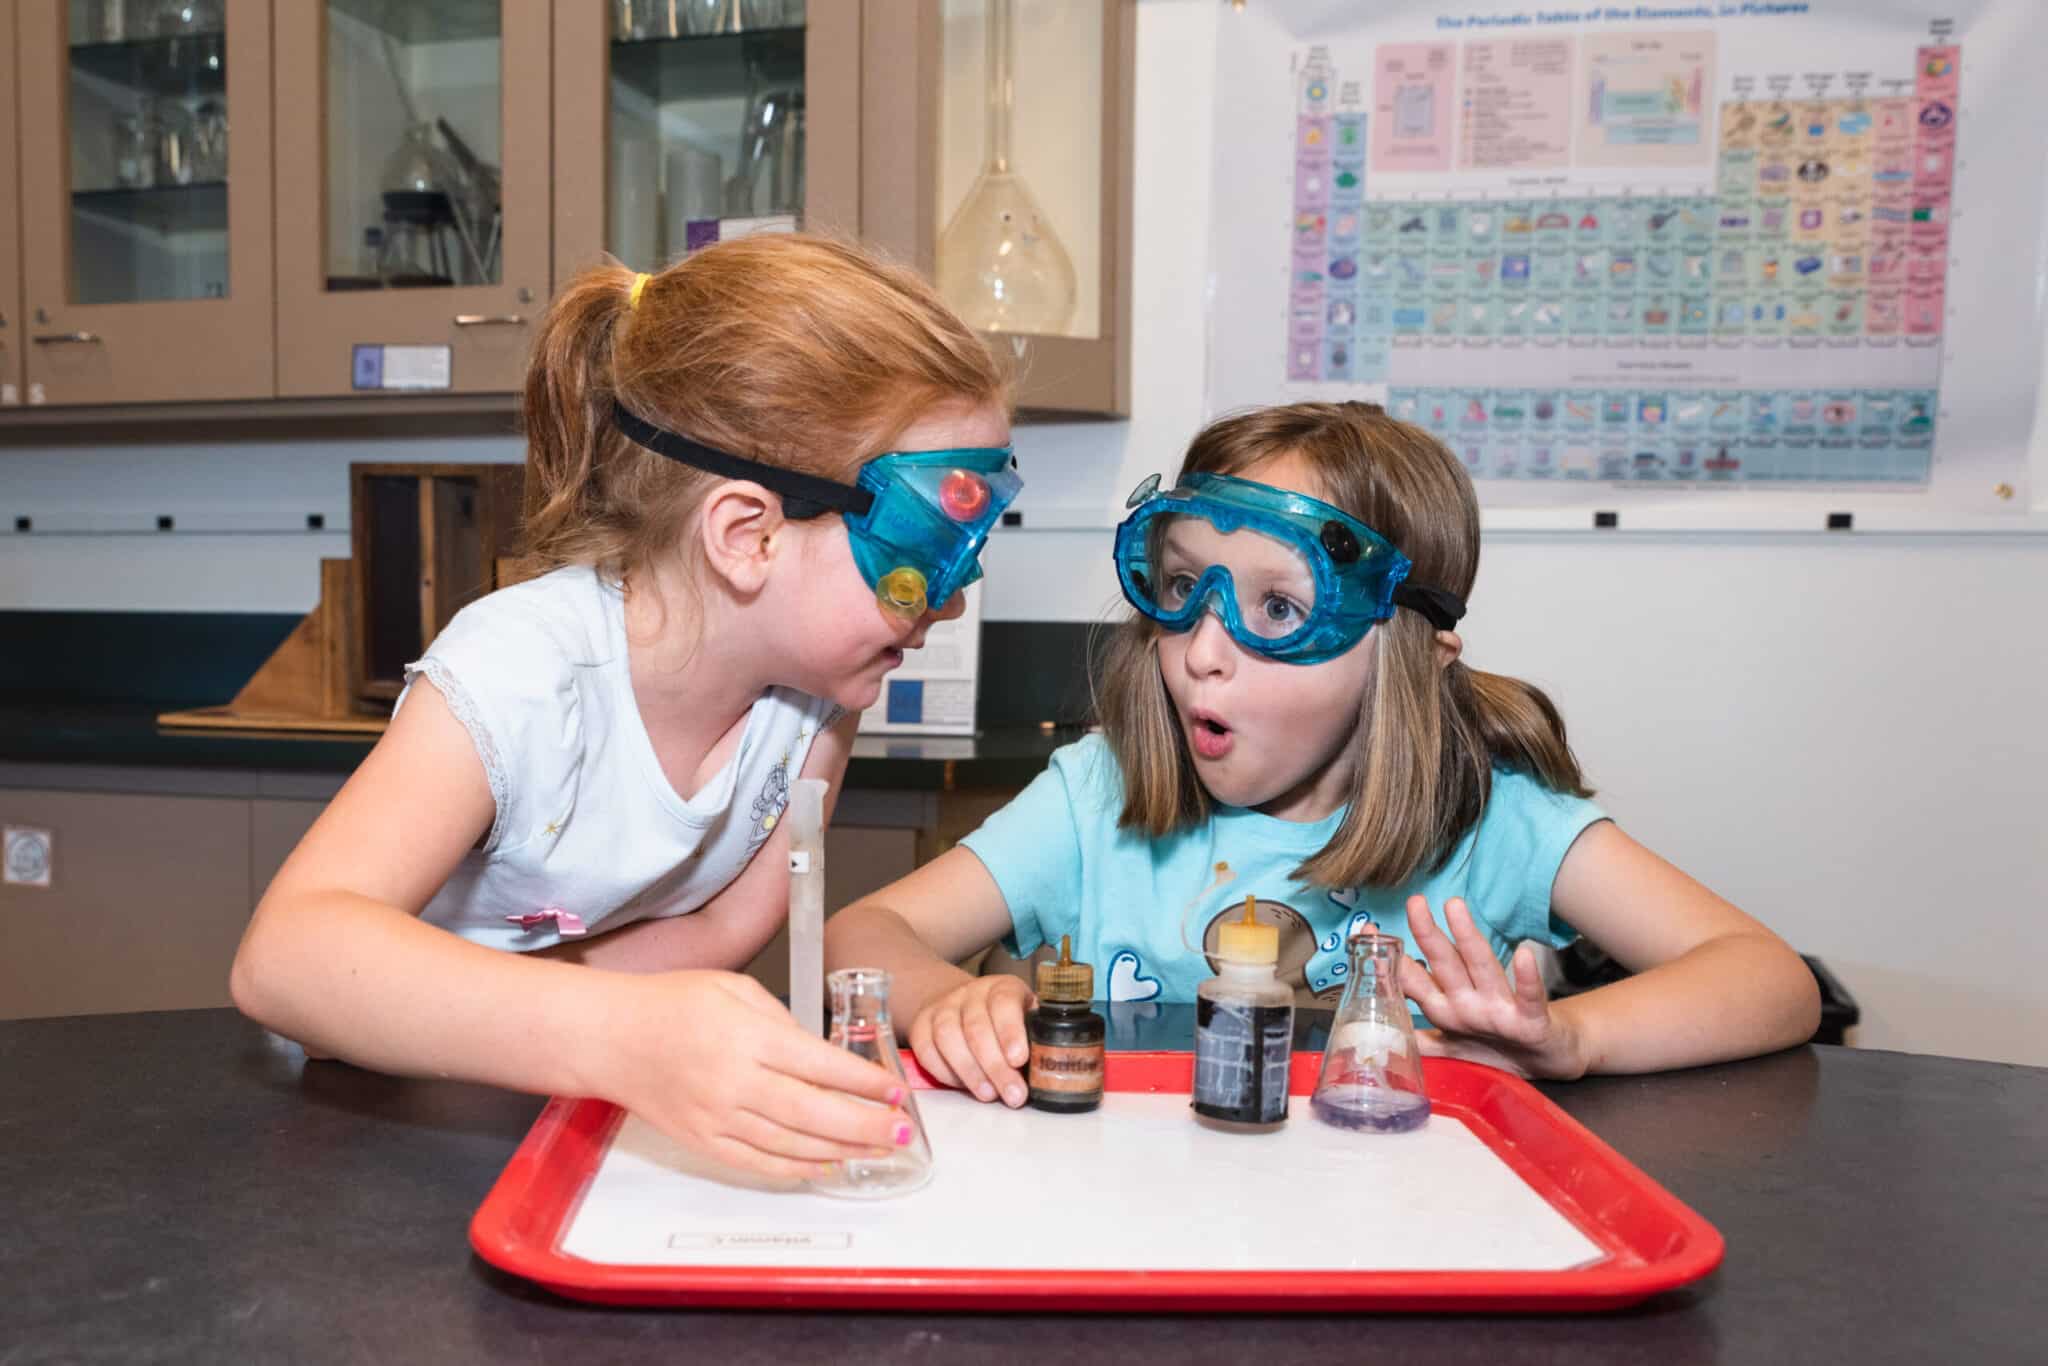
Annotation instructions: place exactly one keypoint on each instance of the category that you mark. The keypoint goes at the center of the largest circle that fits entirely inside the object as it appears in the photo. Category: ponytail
(566, 407)
(1518, 727)
(1430, 738)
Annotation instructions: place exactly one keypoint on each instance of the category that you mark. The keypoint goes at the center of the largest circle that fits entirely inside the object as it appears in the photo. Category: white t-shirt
(586, 821)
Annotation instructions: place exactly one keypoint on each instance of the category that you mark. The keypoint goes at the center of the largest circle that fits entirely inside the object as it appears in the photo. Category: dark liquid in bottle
(1242, 1057)
(1065, 1072)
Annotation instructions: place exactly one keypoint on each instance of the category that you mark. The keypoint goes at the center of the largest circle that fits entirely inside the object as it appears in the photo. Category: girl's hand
(973, 1038)
(1480, 1016)
(715, 1062)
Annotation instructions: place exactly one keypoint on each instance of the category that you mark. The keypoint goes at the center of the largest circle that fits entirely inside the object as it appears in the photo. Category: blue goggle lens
(921, 541)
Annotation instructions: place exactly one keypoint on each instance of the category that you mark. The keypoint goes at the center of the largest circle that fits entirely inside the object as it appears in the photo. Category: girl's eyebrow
(1172, 546)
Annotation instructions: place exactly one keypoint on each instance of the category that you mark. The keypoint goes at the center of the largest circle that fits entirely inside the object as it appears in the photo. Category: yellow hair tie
(639, 283)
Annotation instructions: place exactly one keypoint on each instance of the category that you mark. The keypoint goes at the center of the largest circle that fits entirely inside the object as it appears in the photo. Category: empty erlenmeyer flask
(860, 1025)
(1001, 265)
(1372, 1070)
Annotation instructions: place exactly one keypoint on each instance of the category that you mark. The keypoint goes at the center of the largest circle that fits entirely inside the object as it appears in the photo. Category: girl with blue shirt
(1288, 701)
(755, 479)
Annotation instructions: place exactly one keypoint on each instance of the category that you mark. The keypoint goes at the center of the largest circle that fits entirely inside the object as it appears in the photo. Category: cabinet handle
(490, 320)
(60, 338)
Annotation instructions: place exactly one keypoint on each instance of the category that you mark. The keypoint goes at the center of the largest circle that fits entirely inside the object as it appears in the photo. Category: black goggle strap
(803, 495)
(1441, 608)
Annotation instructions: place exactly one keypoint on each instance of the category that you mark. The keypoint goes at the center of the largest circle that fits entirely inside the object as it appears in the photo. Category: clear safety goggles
(1291, 577)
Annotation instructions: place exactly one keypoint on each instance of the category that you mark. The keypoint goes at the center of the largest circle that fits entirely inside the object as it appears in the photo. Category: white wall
(1847, 734)
(239, 510)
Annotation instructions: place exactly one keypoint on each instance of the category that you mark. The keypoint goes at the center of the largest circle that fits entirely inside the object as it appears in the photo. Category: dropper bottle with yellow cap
(1244, 1030)
(1066, 1037)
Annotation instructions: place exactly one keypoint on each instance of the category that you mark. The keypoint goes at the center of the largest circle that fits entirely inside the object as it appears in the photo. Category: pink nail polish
(903, 1135)
(895, 1095)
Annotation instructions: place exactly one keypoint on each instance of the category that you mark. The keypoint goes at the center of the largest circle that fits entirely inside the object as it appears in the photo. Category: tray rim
(1653, 1240)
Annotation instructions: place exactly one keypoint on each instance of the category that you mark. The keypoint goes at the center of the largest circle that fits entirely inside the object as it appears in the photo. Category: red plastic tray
(1653, 1242)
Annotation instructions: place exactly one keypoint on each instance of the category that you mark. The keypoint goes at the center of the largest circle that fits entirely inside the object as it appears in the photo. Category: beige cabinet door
(701, 119)
(996, 157)
(146, 229)
(10, 223)
(412, 206)
(146, 901)
(276, 825)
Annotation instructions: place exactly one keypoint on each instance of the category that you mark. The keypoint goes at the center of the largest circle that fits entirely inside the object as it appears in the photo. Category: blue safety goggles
(916, 519)
(1291, 577)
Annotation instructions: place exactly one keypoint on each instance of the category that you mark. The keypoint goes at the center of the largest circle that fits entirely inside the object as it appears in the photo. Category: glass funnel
(1001, 265)
(1372, 1069)
(860, 1025)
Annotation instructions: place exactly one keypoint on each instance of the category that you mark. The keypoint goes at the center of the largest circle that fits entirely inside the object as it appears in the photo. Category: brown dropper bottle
(1066, 1037)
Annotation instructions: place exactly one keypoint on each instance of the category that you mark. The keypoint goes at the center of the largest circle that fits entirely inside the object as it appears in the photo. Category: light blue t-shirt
(1064, 868)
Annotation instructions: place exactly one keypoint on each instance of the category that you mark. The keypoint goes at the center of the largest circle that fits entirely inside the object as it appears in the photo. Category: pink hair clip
(568, 924)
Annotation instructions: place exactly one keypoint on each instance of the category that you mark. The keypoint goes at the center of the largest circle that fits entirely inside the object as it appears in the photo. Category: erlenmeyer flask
(1372, 1070)
(1001, 265)
(860, 1025)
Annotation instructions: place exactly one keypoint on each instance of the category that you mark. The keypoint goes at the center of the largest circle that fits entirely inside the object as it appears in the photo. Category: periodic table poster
(1759, 245)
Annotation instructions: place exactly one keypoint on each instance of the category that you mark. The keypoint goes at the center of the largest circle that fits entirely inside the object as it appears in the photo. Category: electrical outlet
(25, 856)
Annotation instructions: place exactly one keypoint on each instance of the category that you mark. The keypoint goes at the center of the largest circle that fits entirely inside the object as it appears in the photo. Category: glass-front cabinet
(10, 223)
(145, 226)
(1024, 191)
(683, 122)
(412, 194)
(987, 142)
(336, 199)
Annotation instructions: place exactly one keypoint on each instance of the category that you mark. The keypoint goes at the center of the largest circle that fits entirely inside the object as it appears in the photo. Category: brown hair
(1427, 736)
(793, 350)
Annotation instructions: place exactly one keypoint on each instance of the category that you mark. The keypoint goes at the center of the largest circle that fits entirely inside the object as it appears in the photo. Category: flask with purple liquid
(1371, 1078)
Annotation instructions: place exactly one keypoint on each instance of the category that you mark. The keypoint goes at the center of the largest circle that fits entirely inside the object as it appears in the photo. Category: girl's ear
(739, 522)
(1449, 645)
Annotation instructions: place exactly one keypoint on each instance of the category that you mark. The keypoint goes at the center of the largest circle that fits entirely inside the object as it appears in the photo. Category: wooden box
(427, 541)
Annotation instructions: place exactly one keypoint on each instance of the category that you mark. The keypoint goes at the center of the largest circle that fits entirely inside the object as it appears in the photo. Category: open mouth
(892, 655)
(1208, 734)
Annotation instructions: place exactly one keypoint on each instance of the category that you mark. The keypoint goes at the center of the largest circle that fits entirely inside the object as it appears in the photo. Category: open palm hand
(1481, 1014)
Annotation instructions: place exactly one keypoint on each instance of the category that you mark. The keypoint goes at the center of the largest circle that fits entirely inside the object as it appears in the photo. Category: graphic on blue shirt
(1064, 867)
(1126, 980)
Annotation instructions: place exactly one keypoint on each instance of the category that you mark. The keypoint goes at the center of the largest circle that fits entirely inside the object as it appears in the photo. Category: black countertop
(126, 734)
(185, 1187)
